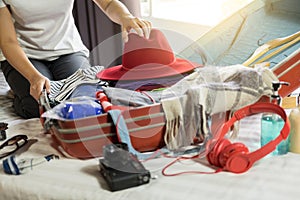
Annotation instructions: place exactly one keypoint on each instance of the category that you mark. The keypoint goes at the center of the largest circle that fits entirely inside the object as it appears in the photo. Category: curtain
(101, 36)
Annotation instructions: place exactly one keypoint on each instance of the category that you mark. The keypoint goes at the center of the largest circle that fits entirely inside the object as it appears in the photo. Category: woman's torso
(45, 28)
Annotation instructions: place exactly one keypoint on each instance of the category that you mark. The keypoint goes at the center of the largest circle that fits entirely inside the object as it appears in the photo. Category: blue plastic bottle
(271, 124)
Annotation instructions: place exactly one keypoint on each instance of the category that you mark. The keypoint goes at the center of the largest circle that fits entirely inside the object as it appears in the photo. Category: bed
(67, 178)
(276, 177)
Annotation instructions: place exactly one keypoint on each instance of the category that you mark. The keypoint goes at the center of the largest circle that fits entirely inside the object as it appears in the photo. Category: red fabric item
(147, 58)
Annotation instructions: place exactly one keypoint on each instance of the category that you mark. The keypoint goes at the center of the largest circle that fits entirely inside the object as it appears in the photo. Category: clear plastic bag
(75, 108)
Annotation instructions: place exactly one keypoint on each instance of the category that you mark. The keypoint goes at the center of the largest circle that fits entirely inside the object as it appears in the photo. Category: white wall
(179, 34)
(193, 31)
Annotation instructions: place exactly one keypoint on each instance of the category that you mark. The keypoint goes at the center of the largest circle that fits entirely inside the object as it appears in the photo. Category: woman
(40, 42)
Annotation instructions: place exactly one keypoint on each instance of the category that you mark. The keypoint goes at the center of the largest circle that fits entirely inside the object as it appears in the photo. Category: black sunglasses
(12, 145)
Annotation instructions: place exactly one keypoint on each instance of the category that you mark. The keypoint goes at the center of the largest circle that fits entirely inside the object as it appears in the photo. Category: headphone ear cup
(213, 155)
(230, 151)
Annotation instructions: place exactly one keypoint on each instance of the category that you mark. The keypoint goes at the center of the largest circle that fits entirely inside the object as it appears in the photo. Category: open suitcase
(231, 42)
(262, 26)
(85, 137)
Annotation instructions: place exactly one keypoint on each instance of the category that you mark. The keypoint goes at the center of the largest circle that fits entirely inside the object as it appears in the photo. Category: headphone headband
(256, 109)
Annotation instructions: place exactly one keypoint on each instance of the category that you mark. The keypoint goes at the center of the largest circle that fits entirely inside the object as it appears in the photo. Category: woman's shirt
(45, 28)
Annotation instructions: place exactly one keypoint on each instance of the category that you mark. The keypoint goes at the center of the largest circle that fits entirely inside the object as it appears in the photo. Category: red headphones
(235, 157)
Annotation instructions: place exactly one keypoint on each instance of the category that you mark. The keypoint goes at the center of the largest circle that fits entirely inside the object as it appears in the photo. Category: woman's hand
(37, 84)
(119, 14)
(140, 26)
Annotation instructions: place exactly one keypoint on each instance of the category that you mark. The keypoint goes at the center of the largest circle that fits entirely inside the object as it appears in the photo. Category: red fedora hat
(146, 59)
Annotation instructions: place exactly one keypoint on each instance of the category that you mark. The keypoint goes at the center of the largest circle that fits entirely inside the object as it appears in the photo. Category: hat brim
(119, 72)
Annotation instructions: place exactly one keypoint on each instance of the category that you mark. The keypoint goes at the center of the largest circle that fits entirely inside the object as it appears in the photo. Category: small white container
(294, 118)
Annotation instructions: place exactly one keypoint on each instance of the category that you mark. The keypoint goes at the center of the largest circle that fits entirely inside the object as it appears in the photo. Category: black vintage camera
(121, 169)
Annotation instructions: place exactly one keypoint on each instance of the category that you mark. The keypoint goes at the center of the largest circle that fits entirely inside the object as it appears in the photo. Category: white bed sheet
(270, 178)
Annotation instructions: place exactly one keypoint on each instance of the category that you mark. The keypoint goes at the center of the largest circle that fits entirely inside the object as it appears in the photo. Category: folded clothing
(208, 91)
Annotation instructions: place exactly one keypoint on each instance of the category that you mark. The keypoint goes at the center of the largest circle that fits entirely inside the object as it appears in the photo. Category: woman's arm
(119, 14)
(14, 54)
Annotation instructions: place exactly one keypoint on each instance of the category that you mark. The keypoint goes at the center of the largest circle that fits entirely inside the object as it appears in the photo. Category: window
(204, 12)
